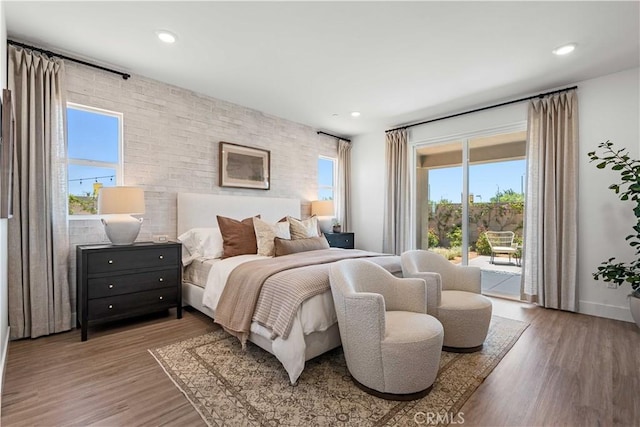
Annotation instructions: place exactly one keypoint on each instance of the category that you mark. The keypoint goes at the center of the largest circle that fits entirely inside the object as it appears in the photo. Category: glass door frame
(414, 146)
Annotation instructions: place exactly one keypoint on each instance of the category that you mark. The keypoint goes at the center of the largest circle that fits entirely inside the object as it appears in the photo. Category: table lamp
(323, 208)
(118, 204)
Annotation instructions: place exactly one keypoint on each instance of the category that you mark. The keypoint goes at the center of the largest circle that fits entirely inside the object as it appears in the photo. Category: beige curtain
(343, 197)
(395, 239)
(39, 301)
(551, 234)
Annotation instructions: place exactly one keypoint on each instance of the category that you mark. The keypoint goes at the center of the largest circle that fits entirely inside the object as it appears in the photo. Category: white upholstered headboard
(200, 210)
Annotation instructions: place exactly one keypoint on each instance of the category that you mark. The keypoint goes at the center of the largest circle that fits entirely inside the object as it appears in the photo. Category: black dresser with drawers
(115, 282)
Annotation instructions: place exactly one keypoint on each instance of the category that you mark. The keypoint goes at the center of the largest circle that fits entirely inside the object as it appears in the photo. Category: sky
(485, 180)
(91, 136)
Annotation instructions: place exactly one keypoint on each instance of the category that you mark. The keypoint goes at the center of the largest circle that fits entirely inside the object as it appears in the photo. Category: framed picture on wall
(6, 155)
(244, 167)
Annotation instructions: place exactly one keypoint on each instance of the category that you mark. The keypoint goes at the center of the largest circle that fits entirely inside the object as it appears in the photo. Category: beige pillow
(286, 247)
(238, 237)
(265, 233)
(302, 229)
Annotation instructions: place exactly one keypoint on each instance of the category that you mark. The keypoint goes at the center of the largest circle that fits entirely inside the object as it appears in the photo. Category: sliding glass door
(466, 187)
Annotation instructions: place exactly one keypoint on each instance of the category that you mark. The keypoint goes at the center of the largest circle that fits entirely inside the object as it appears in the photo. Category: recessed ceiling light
(166, 36)
(564, 49)
(355, 114)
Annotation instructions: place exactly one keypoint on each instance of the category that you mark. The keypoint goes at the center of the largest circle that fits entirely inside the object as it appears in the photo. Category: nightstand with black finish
(340, 240)
(116, 282)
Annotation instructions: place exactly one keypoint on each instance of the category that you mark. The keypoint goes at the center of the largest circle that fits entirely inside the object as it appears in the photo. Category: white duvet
(314, 315)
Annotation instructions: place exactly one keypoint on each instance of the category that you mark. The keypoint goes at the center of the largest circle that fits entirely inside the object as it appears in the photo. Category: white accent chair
(391, 346)
(453, 298)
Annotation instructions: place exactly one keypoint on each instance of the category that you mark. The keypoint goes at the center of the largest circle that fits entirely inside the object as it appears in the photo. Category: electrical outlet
(612, 285)
(161, 238)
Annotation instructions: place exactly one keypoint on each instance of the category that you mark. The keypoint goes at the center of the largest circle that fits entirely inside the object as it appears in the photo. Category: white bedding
(314, 315)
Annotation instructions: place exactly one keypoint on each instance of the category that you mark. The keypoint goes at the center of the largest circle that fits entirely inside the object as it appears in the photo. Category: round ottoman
(411, 351)
(465, 317)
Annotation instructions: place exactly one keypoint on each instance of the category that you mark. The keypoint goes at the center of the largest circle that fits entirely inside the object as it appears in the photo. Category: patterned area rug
(229, 387)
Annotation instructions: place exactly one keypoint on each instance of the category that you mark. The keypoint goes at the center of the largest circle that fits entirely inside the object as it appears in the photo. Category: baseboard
(3, 362)
(604, 310)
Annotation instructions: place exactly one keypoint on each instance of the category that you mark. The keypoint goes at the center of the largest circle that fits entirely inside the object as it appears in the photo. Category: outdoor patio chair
(501, 242)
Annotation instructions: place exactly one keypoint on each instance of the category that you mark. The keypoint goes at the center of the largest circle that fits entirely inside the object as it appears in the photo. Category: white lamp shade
(322, 208)
(121, 200)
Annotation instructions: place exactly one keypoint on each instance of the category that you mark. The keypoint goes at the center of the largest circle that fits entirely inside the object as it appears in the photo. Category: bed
(313, 329)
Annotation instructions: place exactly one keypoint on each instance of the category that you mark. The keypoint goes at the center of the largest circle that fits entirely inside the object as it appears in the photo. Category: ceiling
(315, 62)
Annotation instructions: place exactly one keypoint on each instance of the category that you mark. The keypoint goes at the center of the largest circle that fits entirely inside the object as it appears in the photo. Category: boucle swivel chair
(391, 346)
(454, 298)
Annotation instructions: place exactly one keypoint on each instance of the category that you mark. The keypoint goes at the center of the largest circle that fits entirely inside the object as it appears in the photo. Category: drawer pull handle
(161, 279)
(161, 257)
(161, 298)
(110, 306)
(110, 261)
(110, 286)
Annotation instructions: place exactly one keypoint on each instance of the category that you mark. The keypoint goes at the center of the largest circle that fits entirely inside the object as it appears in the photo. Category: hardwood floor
(566, 369)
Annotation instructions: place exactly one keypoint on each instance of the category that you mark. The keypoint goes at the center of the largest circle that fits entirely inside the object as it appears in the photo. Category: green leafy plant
(628, 189)
(482, 244)
(455, 236)
(432, 238)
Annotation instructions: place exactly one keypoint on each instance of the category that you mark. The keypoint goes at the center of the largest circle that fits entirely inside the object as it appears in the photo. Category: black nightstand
(340, 240)
(115, 282)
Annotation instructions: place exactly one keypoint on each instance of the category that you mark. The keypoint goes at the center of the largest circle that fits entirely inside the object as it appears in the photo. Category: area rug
(232, 387)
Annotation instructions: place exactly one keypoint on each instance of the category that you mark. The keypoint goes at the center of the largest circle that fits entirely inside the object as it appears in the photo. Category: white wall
(367, 192)
(608, 109)
(4, 292)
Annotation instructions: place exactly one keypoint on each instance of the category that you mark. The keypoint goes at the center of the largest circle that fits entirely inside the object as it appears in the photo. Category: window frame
(118, 167)
(334, 162)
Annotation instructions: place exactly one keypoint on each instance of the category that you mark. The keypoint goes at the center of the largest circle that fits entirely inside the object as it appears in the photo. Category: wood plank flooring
(566, 369)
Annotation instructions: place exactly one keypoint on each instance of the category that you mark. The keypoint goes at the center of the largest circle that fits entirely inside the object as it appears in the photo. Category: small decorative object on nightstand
(341, 240)
(119, 281)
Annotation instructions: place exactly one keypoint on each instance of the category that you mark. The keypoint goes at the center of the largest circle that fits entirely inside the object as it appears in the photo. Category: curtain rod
(335, 136)
(125, 76)
(540, 95)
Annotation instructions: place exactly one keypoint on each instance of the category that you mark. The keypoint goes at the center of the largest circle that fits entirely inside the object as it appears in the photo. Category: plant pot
(337, 228)
(634, 305)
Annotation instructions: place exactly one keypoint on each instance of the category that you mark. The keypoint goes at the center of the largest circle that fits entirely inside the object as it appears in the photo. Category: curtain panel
(39, 294)
(395, 237)
(551, 209)
(343, 201)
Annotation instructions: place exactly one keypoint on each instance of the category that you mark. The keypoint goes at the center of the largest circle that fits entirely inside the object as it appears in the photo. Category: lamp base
(122, 229)
(325, 223)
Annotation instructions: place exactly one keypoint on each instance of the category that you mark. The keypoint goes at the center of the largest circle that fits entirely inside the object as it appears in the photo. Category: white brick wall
(171, 140)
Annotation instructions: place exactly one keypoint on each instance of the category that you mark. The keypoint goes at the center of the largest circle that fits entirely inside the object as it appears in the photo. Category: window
(326, 178)
(94, 155)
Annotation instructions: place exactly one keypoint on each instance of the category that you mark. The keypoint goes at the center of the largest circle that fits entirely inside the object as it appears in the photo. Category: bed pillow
(302, 229)
(286, 247)
(238, 237)
(201, 242)
(266, 233)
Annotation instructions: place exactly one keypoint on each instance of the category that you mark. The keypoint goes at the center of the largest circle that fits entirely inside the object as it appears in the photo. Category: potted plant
(337, 227)
(627, 189)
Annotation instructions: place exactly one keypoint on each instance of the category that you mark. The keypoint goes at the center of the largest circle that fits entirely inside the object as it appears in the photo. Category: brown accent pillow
(286, 247)
(238, 237)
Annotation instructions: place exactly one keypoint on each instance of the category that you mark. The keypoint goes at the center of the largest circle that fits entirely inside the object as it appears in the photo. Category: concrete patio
(501, 279)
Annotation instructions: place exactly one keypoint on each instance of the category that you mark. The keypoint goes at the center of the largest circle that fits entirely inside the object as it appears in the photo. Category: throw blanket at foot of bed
(286, 282)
